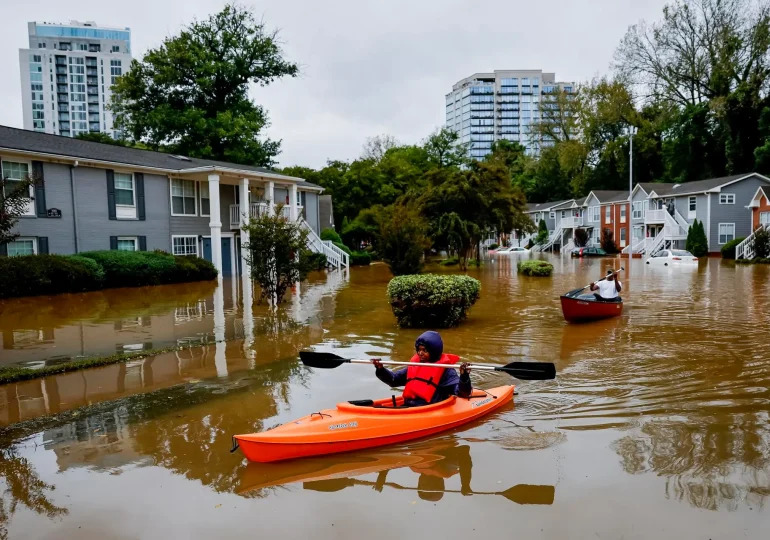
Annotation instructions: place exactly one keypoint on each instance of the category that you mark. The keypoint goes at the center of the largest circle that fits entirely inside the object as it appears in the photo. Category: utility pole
(632, 132)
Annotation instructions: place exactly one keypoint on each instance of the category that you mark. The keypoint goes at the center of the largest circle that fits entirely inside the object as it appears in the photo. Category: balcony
(93, 100)
(91, 63)
(571, 222)
(93, 81)
(64, 117)
(655, 216)
(94, 126)
(92, 72)
(62, 70)
(94, 117)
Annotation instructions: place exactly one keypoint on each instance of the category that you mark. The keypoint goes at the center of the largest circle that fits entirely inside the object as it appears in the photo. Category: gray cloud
(368, 67)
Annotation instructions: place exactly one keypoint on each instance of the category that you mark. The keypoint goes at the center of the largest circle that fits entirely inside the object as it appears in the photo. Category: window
(622, 237)
(594, 213)
(727, 198)
(125, 200)
(205, 199)
(726, 232)
(693, 204)
(184, 245)
(183, 198)
(22, 246)
(127, 243)
(607, 214)
(15, 172)
(623, 213)
(563, 214)
(552, 215)
(764, 218)
(637, 233)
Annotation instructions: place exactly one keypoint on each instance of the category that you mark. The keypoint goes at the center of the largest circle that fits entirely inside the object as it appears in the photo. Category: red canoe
(585, 308)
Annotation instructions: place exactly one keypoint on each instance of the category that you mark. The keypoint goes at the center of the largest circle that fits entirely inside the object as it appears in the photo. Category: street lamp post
(631, 133)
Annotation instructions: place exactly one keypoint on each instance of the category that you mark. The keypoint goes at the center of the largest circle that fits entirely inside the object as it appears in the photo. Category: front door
(227, 263)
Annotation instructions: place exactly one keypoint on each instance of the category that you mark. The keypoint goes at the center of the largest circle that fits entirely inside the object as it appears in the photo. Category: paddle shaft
(615, 272)
(424, 364)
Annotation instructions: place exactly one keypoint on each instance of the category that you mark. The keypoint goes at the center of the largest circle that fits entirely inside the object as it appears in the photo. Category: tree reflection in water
(23, 486)
(716, 466)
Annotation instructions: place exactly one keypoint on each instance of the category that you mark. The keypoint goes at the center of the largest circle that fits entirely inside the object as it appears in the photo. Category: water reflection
(23, 488)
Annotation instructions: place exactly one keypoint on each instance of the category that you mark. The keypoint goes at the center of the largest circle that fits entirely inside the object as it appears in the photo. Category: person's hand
(377, 363)
(464, 369)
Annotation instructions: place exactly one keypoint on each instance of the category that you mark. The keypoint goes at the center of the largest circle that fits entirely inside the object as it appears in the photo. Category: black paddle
(520, 494)
(525, 371)
(574, 293)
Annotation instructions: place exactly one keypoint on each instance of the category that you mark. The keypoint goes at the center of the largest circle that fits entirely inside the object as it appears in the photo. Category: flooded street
(655, 427)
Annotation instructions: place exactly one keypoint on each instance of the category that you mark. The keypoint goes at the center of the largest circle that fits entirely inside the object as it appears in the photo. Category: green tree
(402, 240)
(761, 243)
(542, 233)
(445, 150)
(608, 241)
(581, 237)
(190, 95)
(273, 250)
(696, 242)
(99, 137)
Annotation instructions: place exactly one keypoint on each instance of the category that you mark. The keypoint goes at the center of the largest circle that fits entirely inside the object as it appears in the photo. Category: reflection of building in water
(102, 441)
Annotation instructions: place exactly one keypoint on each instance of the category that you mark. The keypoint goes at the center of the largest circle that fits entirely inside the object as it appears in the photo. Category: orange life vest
(422, 381)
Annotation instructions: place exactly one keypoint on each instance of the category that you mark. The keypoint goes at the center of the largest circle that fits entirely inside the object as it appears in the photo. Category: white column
(248, 319)
(271, 198)
(245, 214)
(293, 203)
(220, 360)
(215, 223)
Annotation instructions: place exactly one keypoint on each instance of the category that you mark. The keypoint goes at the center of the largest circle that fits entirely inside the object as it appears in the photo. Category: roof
(567, 204)
(539, 207)
(607, 196)
(766, 191)
(698, 186)
(55, 145)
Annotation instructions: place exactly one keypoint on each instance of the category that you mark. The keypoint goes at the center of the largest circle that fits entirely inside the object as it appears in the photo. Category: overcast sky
(368, 67)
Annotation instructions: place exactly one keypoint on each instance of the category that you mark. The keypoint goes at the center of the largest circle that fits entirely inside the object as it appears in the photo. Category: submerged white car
(673, 257)
(511, 251)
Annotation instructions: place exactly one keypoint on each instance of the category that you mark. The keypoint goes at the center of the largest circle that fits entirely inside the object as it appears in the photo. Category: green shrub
(35, 275)
(343, 247)
(696, 242)
(535, 268)
(756, 260)
(761, 243)
(493, 246)
(312, 262)
(331, 234)
(728, 250)
(432, 301)
(140, 268)
(451, 261)
(403, 240)
(360, 258)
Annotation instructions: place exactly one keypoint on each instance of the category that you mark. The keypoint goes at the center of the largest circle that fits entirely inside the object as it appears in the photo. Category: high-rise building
(67, 73)
(487, 107)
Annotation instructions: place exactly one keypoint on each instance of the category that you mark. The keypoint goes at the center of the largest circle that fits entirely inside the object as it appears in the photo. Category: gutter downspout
(74, 206)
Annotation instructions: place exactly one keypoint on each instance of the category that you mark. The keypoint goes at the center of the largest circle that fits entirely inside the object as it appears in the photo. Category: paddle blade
(530, 494)
(329, 486)
(575, 292)
(530, 371)
(323, 360)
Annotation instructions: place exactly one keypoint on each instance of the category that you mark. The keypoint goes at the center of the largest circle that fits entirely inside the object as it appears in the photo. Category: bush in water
(728, 250)
(360, 258)
(402, 240)
(761, 243)
(696, 239)
(608, 241)
(535, 268)
(140, 268)
(312, 262)
(432, 301)
(581, 237)
(493, 246)
(34, 275)
(331, 234)
(451, 261)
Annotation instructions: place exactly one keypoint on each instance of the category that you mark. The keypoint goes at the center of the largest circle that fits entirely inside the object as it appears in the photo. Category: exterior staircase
(745, 250)
(335, 257)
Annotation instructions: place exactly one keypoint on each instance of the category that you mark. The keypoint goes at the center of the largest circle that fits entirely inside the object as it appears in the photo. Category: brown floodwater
(656, 426)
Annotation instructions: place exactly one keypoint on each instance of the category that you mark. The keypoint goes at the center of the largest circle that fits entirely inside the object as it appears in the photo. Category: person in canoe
(425, 385)
(608, 288)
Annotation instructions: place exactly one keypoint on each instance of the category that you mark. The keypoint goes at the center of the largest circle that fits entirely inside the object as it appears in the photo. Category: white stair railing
(745, 250)
(552, 239)
(653, 245)
(334, 255)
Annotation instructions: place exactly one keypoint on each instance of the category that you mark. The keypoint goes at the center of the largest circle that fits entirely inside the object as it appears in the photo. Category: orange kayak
(357, 425)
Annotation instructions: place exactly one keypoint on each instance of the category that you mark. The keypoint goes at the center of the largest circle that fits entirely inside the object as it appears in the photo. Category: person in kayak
(608, 289)
(425, 385)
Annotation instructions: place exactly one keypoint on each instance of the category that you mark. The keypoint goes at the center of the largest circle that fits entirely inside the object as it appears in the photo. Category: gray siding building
(91, 196)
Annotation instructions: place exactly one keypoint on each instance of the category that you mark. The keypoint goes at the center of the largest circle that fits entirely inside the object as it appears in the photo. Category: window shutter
(111, 195)
(113, 242)
(139, 178)
(37, 175)
(142, 243)
(42, 245)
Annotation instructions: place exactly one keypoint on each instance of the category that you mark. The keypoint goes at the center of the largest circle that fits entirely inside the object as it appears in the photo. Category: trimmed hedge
(140, 268)
(35, 275)
(312, 262)
(432, 301)
(343, 247)
(756, 260)
(535, 268)
(360, 258)
(728, 250)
